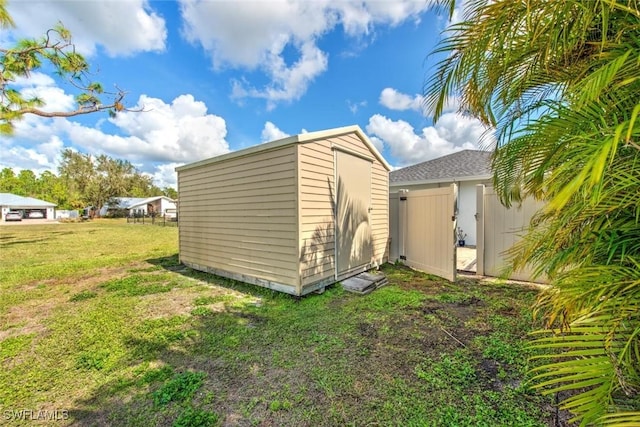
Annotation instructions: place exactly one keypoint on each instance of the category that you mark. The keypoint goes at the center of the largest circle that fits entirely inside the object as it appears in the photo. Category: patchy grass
(119, 333)
(179, 388)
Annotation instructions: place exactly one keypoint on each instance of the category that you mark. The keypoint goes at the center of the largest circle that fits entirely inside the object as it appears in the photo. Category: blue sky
(217, 76)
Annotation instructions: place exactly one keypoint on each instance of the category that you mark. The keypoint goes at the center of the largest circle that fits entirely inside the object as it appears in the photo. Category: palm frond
(560, 83)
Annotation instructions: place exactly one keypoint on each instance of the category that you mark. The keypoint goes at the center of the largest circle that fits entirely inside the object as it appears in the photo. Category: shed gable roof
(462, 164)
(8, 199)
(295, 139)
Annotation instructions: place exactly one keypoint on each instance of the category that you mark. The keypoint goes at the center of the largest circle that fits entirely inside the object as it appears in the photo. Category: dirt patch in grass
(26, 319)
(161, 343)
(36, 301)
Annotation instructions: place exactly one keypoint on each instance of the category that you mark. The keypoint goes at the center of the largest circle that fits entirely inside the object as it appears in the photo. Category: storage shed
(294, 215)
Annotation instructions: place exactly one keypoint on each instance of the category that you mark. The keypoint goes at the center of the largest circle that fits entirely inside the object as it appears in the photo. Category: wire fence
(161, 221)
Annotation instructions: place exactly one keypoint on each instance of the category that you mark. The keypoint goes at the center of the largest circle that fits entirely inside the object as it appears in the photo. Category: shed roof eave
(294, 139)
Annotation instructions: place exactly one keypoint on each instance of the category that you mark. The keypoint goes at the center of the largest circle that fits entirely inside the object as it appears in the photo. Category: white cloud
(287, 83)
(398, 101)
(377, 142)
(165, 175)
(163, 134)
(265, 35)
(451, 105)
(458, 12)
(272, 133)
(355, 106)
(122, 27)
(394, 100)
(37, 157)
(451, 133)
(178, 132)
(43, 86)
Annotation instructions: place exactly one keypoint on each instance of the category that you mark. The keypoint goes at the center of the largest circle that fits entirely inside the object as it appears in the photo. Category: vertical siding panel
(503, 228)
(394, 226)
(429, 243)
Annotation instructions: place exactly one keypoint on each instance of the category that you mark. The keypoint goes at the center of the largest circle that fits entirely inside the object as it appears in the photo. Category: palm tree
(559, 81)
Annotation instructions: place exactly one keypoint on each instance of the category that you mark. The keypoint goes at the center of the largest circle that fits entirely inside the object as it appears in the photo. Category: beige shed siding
(379, 216)
(239, 215)
(317, 231)
(317, 189)
(265, 214)
(380, 213)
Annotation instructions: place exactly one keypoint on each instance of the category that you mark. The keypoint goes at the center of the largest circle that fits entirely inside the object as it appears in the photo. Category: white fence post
(402, 223)
(480, 229)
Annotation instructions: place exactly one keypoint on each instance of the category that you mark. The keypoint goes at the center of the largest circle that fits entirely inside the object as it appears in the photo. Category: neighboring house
(295, 215)
(27, 206)
(130, 206)
(466, 168)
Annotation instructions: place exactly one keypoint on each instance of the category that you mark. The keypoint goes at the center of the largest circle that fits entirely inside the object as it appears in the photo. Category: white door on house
(427, 221)
(354, 245)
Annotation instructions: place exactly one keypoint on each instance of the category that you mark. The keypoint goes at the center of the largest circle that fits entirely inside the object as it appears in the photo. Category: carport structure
(26, 205)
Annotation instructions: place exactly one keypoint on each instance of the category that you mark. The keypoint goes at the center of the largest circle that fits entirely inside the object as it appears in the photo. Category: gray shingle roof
(462, 164)
(8, 199)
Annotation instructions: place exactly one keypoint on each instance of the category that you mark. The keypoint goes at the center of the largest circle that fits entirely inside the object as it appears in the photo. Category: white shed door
(428, 221)
(353, 202)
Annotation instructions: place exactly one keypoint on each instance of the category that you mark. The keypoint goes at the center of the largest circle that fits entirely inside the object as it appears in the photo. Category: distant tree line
(83, 181)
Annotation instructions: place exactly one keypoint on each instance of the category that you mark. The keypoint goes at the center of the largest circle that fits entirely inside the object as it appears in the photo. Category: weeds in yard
(455, 370)
(159, 374)
(131, 337)
(179, 388)
(201, 311)
(138, 285)
(13, 346)
(193, 417)
(96, 360)
(502, 347)
(205, 300)
(84, 295)
(278, 405)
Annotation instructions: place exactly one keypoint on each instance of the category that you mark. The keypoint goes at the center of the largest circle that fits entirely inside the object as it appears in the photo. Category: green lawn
(100, 325)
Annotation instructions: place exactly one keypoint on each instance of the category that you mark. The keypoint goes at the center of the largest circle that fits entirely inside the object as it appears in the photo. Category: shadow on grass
(330, 359)
(9, 239)
(22, 242)
(172, 263)
(222, 346)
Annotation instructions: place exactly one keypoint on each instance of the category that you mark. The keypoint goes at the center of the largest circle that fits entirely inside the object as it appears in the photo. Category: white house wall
(467, 211)
(166, 204)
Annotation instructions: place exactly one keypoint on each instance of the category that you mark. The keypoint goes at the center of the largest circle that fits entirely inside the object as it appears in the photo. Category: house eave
(399, 184)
